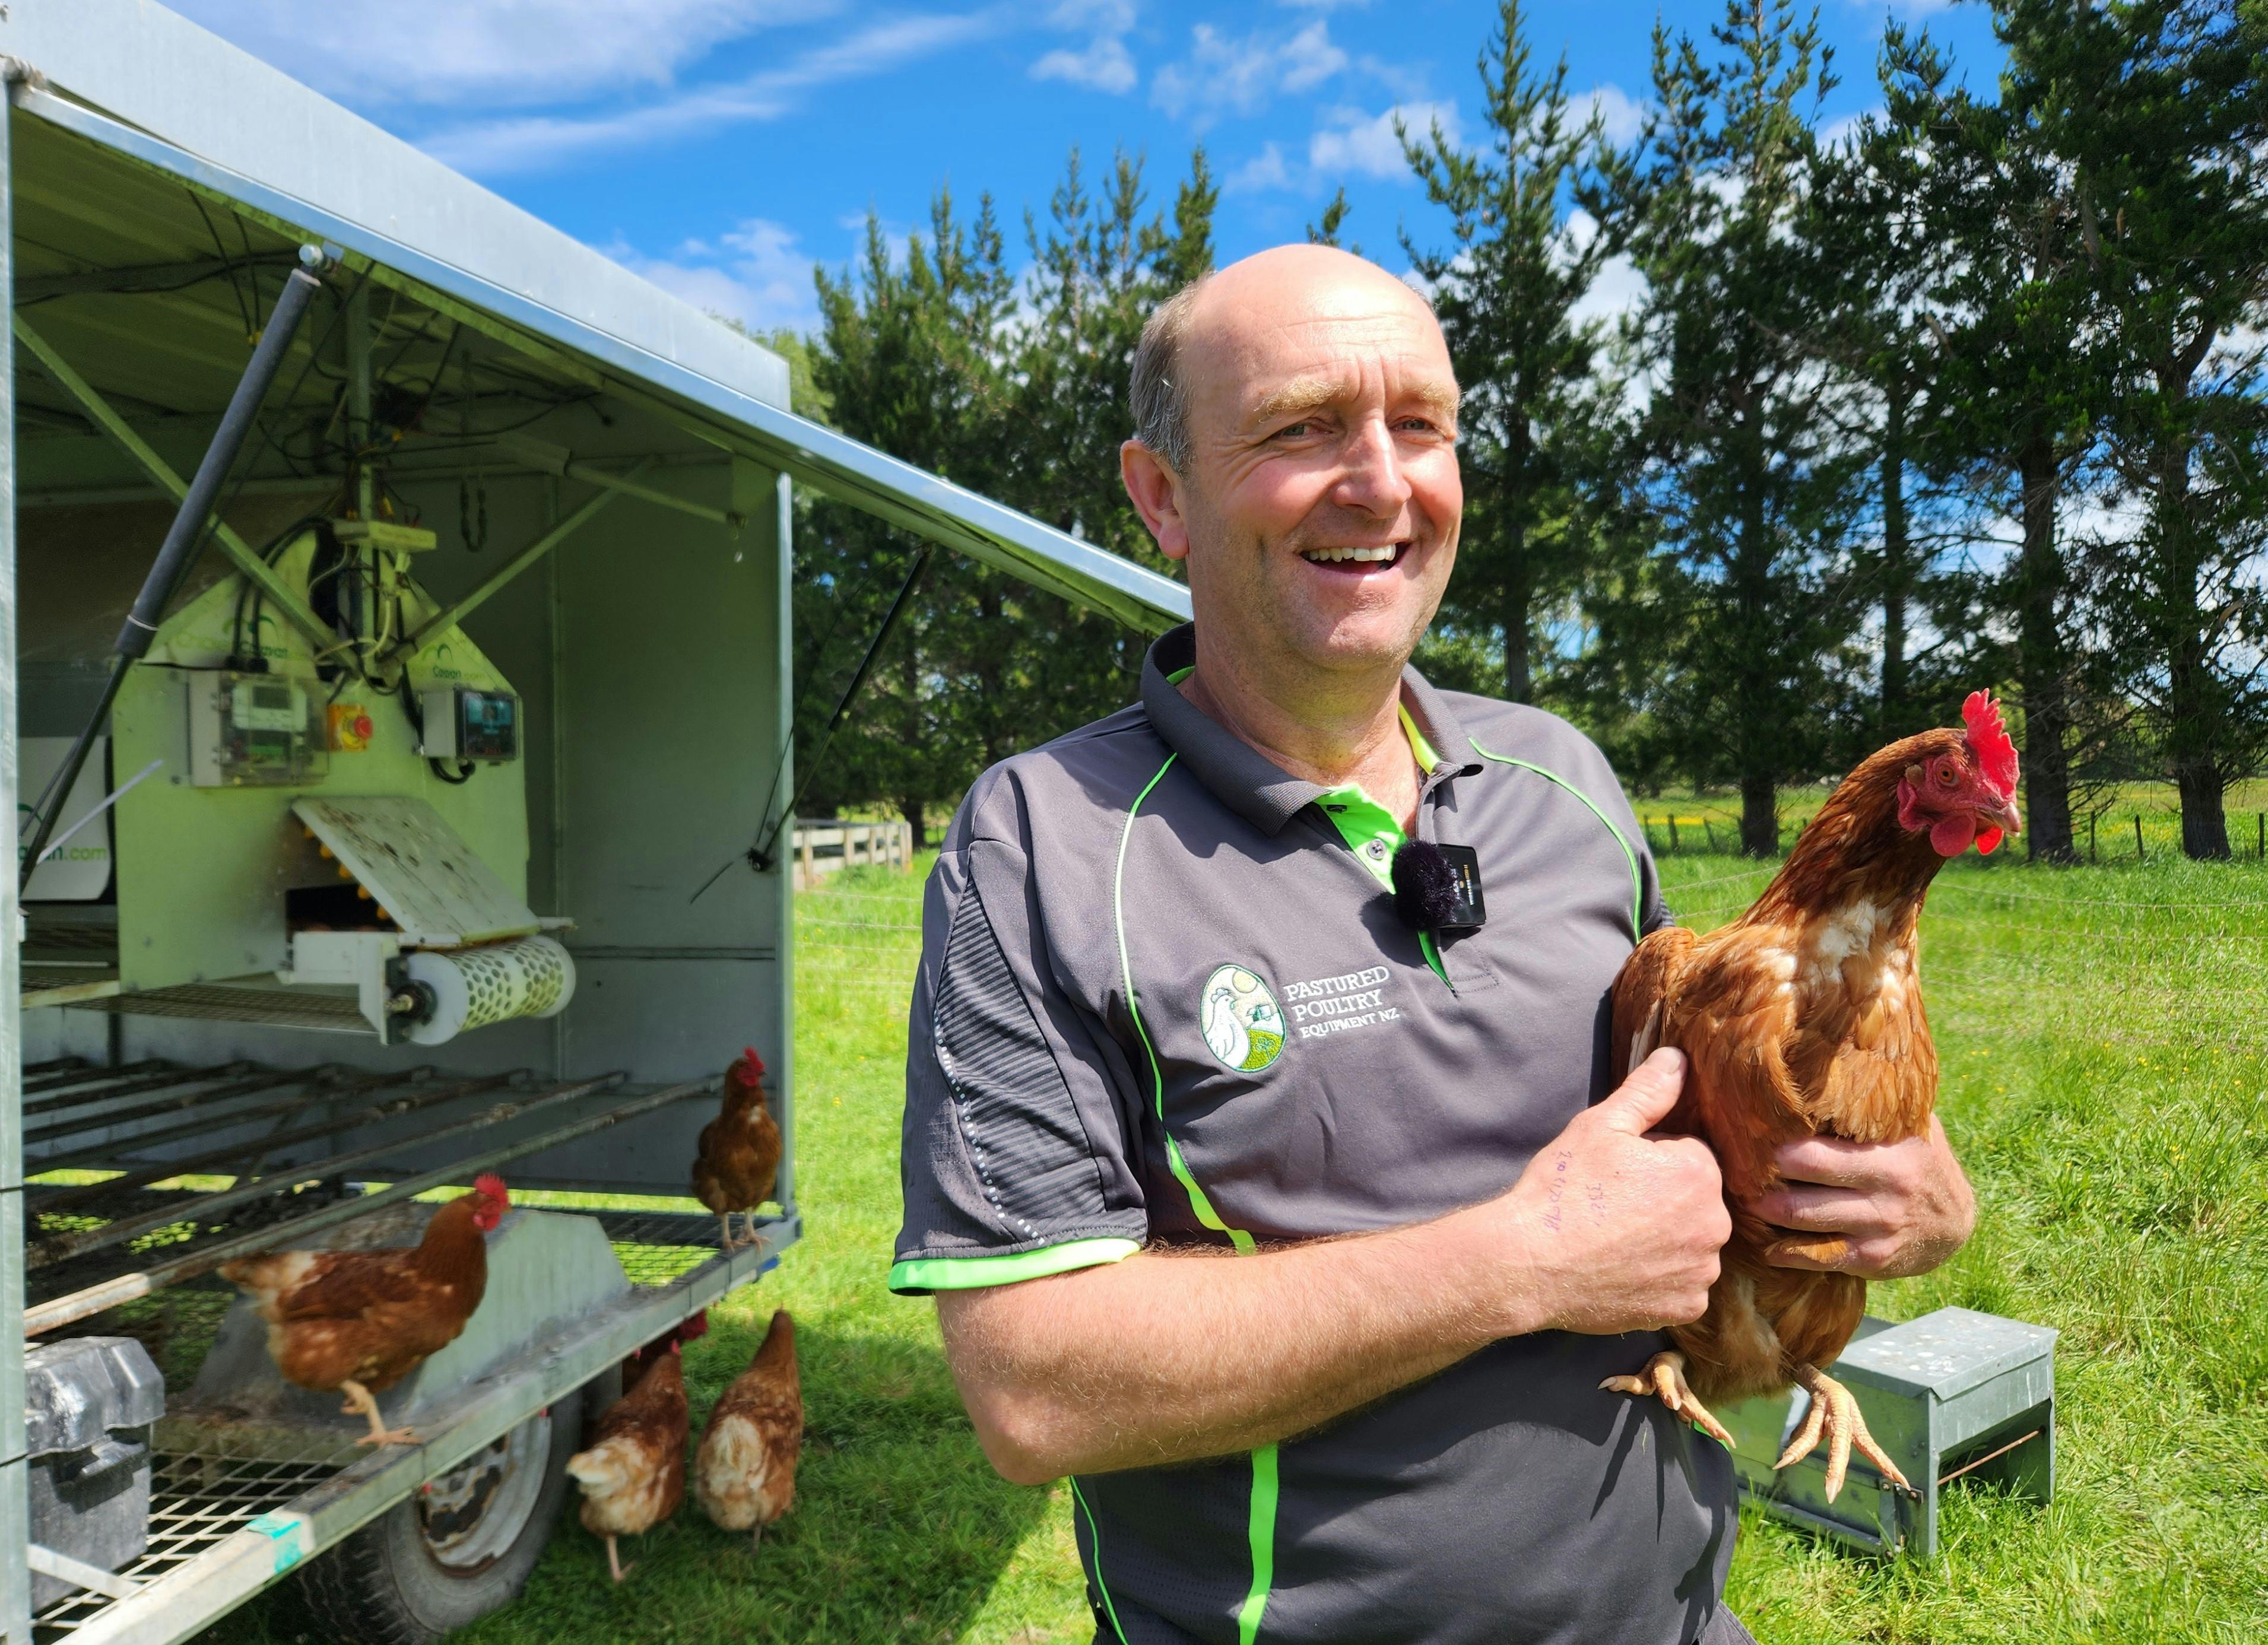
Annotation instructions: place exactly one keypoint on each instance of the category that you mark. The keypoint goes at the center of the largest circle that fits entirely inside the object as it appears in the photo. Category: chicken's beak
(2004, 816)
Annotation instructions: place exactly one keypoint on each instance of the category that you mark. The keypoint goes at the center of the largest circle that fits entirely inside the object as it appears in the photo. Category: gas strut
(186, 535)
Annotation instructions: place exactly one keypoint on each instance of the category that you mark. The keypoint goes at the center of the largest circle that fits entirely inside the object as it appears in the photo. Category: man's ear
(1156, 492)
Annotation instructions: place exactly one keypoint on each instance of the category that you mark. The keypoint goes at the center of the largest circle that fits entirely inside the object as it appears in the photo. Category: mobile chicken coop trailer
(491, 616)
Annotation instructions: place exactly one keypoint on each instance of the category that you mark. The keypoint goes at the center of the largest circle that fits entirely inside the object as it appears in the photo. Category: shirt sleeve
(1015, 1161)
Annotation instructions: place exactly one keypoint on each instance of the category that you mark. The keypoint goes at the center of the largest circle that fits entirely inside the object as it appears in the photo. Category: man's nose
(1371, 479)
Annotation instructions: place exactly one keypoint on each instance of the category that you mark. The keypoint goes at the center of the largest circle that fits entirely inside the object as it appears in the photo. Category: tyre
(463, 1546)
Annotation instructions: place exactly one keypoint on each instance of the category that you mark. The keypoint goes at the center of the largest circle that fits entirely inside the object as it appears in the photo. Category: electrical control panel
(249, 730)
(461, 723)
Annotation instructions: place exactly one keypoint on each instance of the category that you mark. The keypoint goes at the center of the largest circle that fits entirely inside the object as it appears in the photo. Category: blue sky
(721, 146)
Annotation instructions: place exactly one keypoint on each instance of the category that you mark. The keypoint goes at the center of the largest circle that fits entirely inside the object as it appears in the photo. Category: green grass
(2106, 1080)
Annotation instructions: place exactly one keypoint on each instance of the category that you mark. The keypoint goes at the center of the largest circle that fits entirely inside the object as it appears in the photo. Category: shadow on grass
(899, 1531)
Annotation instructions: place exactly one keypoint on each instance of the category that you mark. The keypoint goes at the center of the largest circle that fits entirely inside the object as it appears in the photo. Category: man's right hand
(1611, 1228)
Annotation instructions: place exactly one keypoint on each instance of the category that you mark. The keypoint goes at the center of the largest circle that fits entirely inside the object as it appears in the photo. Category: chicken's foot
(1663, 1377)
(614, 1561)
(360, 1403)
(757, 1541)
(1834, 1414)
(724, 1240)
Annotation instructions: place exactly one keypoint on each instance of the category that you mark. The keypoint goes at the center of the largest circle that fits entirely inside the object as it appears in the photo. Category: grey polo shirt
(1165, 997)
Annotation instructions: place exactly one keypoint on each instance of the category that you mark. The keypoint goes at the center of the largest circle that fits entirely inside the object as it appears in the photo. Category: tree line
(1778, 436)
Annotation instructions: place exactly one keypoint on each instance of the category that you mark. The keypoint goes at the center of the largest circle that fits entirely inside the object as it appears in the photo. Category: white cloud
(1104, 16)
(757, 273)
(1263, 171)
(1222, 75)
(532, 143)
(1836, 133)
(1104, 66)
(376, 52)
(1352, 141)
(1622, 113)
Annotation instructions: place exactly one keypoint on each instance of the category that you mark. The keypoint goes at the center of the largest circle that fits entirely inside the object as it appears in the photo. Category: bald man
(1296, 1222)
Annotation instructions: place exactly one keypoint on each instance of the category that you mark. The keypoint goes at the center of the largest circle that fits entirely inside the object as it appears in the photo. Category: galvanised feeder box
(1953, 1394)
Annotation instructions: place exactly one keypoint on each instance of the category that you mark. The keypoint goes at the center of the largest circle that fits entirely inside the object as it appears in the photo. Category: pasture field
(2106, 1081)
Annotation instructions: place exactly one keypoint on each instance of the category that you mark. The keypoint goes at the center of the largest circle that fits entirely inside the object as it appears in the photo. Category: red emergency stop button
(350, 728)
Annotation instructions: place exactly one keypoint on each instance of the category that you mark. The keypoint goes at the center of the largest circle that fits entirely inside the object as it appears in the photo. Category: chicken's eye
(1946, 777)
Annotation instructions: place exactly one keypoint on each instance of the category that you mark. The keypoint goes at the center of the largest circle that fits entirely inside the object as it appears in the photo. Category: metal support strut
(183, 538)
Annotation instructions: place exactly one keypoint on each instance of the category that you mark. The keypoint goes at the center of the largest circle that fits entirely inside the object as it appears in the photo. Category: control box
(461, 723)
(254, 730)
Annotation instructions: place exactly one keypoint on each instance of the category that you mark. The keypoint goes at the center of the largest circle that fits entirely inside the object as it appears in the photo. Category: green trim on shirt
(918, 1274)
(1260, 1524)
(1638, 879)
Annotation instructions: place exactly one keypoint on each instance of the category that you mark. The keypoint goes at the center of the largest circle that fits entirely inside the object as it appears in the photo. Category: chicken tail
(606, 1468)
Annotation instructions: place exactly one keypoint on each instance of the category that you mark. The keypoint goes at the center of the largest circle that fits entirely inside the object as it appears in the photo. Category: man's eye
(1295, 430)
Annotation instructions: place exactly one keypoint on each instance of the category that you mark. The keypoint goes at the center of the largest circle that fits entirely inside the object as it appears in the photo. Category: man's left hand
(1899, 1208)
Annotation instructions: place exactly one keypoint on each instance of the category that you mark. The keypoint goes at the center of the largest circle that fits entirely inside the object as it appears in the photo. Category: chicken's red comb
(489, 1186)
(1995, 753)
(752, 1066)
(693, 1326)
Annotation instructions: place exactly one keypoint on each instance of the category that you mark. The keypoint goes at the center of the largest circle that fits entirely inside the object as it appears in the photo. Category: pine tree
(2012, 310)
(1751, 493)
(1508, 289)
(2159, 110)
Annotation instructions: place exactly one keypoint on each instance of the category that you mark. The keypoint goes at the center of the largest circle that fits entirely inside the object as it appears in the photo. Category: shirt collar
(1243, 779)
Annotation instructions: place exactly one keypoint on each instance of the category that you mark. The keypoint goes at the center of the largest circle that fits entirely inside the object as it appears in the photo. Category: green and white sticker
(1242, 1024)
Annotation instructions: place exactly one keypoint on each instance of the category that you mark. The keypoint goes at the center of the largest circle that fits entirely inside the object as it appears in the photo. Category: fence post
(1712, 833)
(2138, 855)
(802, 853)
(2091, 856)
(2260, 854)
(1673, 834)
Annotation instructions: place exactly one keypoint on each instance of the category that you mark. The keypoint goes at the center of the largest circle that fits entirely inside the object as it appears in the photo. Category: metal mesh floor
(200, 1498)
(195, 1503)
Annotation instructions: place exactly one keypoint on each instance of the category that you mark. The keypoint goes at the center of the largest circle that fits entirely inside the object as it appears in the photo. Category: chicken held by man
(736, 1166)
(1803, 1018)
(358, 1322)
(633, 1473)
(744, 1473)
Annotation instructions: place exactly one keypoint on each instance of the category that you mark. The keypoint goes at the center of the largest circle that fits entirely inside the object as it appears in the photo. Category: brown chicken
(1801, 1018)
(633, 1475)
(744, 1471)
(737, 1165)
(359, 1321)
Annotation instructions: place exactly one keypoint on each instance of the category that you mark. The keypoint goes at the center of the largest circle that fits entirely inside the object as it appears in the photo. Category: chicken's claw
(1663, 1377)
(1836, 1413)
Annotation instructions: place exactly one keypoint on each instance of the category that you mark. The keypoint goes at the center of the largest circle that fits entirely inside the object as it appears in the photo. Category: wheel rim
(471, 1515)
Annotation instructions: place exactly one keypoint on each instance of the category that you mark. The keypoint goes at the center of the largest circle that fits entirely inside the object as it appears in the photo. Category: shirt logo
(1243, 1026)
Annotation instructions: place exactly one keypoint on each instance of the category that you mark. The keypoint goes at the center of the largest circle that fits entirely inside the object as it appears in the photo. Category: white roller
(529, 976)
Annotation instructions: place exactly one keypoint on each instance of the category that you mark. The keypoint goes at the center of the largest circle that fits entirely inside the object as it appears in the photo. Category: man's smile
(1357, 560)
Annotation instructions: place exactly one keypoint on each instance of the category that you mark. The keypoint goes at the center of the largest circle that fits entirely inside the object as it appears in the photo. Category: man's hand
(1899, 1208)
(1613, 1228)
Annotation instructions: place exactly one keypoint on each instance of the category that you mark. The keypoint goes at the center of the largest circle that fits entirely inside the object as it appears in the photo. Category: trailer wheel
(462, 1547)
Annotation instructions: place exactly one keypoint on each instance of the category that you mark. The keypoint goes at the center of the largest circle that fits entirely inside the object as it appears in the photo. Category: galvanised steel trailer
(376, 869)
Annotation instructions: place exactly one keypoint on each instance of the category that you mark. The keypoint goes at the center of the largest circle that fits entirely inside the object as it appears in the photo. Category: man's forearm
(1172, 1357)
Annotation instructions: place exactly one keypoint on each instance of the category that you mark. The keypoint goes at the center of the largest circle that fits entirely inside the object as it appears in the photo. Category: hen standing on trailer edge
(359, 1321)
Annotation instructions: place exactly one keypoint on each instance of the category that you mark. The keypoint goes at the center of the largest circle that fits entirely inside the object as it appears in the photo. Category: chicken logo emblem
(1243, 1026)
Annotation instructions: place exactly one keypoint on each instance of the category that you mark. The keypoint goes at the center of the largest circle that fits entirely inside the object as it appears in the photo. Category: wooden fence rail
(824, 847)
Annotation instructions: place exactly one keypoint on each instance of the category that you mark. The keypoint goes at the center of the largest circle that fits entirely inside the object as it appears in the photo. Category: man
(1299, 1238)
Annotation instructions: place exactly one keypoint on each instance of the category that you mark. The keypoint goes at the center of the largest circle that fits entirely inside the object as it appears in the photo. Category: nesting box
(1954, 1394)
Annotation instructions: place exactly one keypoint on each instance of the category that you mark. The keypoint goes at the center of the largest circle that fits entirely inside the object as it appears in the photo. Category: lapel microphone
(1437, 887)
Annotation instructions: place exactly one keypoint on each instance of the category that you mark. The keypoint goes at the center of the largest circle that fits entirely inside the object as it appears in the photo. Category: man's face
(1320, 509)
